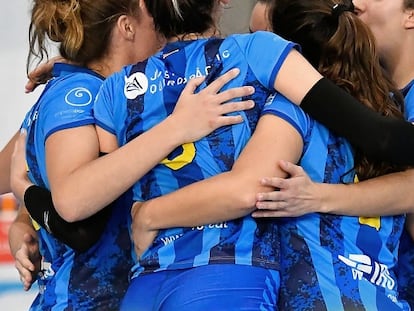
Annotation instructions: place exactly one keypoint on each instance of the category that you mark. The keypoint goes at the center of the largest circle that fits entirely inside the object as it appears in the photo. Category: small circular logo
(78, 97)
(135, 85)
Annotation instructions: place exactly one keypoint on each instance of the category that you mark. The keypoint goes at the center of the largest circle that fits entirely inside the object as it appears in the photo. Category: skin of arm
(86, 183)
(294, 70)
(229, 195)
(25, 248)
(5, 160)
(409, 224)
(389, 194)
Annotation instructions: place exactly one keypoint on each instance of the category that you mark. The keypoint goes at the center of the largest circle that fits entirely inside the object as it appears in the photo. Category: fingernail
(22, 131)
(236, 70)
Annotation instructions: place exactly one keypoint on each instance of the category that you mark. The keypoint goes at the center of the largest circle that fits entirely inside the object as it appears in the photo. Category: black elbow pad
(79, 235)
(379, 137)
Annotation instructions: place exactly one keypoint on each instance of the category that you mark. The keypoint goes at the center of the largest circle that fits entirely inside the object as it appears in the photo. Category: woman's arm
(5, 159)
(79, 235)
(85, 183)
(229, 195)
(24, 248)
(379, 137)
(298, 195)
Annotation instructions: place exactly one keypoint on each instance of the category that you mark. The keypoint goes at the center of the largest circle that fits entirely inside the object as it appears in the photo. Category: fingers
(290, 168)
(221, 81)
(30, 86)
(23, 262)
(275, 182)
(233, 107)
(42, 73)
(27, 283)
(26, 276)
(237, 106)
(233, 93)
(193, 84)
(264, 214)
(275, 204)
(37, 77)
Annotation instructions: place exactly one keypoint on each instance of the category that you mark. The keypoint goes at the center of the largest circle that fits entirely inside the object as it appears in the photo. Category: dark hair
(81, 27)
(173, 18)
(343, 49)
(408, 4)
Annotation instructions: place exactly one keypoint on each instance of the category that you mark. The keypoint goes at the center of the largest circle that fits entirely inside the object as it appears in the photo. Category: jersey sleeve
(280, 106)
(409, 103)
(265, 53)
(71, 103)
(109, 102)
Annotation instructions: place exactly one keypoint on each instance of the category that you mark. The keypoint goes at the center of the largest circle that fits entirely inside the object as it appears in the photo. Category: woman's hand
(198, 114)
(27, 261)
(141, 235)
(42, 73)
(296, 196)
(19, 181)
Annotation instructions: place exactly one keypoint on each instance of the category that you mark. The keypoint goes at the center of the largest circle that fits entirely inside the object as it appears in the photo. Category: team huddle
(172, 168)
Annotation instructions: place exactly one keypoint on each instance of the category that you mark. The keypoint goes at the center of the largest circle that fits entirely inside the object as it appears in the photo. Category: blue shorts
(215, 287)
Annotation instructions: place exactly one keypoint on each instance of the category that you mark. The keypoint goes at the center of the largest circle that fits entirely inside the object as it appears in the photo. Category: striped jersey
(142, 95)
(406, 254)
(332, 262)
(98, 278)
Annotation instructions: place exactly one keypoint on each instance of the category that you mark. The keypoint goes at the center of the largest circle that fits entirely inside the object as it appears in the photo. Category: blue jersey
(97, 278)
(142, 95)
(408, 93)
(406, 254)
(332, 262)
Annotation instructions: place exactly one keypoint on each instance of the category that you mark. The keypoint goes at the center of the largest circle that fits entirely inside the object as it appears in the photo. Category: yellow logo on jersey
(186, 156)
(374, 222)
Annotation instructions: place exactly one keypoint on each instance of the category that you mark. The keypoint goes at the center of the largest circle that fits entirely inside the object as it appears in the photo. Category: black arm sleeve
(383, 138)
(79, 235)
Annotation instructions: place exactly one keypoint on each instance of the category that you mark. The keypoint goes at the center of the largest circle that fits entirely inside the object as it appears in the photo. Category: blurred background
(14, 23)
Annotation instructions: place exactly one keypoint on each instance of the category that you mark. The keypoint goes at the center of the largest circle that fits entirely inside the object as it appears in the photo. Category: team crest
(135, 85)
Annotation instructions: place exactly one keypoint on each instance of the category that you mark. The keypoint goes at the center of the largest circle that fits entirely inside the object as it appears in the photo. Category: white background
(14, 23)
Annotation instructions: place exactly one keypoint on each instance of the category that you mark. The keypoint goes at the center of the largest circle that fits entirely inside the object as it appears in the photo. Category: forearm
(99, 182)
(5, 160)
(386, 195)
(20, 226)
(379, 137)
(232, 194)
(217, 199)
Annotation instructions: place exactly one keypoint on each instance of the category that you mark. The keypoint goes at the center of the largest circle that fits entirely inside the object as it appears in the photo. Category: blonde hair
(82, 28)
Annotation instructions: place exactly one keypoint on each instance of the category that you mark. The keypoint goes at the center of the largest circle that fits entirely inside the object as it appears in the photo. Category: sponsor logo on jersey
(363, 266)
(78, 97)
(135, 85)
